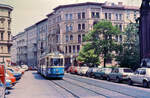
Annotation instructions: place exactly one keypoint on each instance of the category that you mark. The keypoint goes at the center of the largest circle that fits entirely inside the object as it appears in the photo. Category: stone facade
(5, 33)
(41, 38)
(31, 45)
(21, 47)
(68, 24)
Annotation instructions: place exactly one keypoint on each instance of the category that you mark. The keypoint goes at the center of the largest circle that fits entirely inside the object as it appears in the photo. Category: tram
(52, 65)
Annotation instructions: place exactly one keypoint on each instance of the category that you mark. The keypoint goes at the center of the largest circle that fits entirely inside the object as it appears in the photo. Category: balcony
(6, 42)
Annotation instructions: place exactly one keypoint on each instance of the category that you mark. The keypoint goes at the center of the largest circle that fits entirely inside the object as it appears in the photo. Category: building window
(2, 35)
(70, 16)
(70, 28)
(109, 16)
(109, 61)
(120, 27)
(83, 15)
(79, 26)
(78, 48)
(69, 49)
(83, 26)
(66, 15)
(117, 17)
(79, 38)
(128, 15)
(67, 28)
(71, 37)
(79, 15)
(66, 49)
(66, 38)
(1, 49)
(120, 37)
(106, 17)
(120, 16)
(8, 36)
(97, 14)
(134, 14)
(92, 14)
(74, 49)
(116, 38)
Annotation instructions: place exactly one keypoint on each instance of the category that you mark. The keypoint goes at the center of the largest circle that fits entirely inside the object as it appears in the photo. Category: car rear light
(125, 75)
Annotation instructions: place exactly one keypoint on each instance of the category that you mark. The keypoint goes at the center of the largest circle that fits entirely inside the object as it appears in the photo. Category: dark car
(90, 72)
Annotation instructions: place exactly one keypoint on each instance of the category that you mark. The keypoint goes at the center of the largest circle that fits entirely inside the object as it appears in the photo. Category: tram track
(67, 90)
(79, 80)
(74, 84)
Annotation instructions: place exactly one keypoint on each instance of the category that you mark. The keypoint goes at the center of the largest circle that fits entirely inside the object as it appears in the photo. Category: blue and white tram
(52, 65)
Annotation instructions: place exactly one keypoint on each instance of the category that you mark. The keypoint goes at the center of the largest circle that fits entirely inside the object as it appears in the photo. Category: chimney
(120, 3)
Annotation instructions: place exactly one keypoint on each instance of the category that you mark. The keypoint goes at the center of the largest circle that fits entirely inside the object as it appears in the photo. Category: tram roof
(54, 55)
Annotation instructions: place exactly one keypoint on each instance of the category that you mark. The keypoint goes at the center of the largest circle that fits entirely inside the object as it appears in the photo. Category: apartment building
(41, 38)
(31, 45)
(5, 33)
(21, 46)
(68, 24)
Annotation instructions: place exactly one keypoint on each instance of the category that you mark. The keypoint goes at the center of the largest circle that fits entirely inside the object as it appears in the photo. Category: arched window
(71, 37)
(79, 38)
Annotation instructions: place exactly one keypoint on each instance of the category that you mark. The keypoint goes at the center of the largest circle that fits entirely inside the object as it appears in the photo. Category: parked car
(2, 81)
(83, 70)
(119, 74)
(140, 76)
(10, 77)
(107, 71)
(2, 90)
(90, 71)
(17, 75)
(74, 69)
(8, 83)
(24, 67)
(98, 73)
(70, 69)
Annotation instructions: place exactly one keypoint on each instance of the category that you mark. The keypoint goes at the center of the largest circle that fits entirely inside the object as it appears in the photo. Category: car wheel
(130, 82)
(145, 84)
(108, 78)
(117, 80)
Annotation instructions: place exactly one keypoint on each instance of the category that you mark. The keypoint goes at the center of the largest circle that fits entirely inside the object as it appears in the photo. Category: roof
(6, 6)
(78, 4)
(103, 5)
(45, 19)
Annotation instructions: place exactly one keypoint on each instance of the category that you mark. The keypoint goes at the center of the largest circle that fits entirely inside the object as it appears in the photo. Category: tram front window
(57, 62)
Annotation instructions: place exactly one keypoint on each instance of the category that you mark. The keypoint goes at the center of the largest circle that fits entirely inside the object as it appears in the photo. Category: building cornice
(6, 6)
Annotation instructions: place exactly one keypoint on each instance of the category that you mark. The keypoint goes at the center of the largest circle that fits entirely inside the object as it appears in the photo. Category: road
(33, 85)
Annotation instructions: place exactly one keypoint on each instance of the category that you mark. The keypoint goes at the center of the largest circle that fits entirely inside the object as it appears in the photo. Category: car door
(114, 73)
(142, 75)
(135, 76)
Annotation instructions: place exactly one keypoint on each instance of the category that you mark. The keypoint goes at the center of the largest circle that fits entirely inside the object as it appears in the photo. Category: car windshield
(127, 70)
(56, 62)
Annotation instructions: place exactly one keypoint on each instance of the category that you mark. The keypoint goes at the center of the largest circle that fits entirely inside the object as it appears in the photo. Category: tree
(130, 56)
(102, 41)
(88, 56)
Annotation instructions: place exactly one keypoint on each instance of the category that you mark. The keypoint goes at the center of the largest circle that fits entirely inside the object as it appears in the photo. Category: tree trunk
(104, 62)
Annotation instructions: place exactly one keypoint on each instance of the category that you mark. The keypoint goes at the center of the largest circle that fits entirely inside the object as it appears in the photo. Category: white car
(83, 70)
(141, 76)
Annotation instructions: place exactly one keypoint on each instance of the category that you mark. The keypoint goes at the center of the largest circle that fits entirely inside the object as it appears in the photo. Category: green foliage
(130, 56)
(101, 41)
(88, 56)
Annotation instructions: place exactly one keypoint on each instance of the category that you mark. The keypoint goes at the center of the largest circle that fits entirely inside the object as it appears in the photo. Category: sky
(29, 12)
